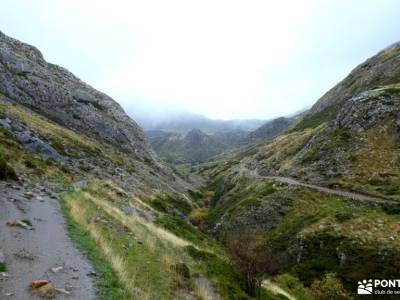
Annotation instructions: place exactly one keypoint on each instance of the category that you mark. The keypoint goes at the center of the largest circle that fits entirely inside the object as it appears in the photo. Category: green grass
(314, 120)
(293, 285)
(211, 262)
(327, 226)
(136, 270)
(181, 229)
(108, 285)
(228, 283)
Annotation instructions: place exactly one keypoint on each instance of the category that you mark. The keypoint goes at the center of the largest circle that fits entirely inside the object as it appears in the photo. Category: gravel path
(342, 193)
(30, 254)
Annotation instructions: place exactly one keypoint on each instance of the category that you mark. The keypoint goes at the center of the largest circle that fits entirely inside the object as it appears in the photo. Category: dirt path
(31, 254)
(346, 194)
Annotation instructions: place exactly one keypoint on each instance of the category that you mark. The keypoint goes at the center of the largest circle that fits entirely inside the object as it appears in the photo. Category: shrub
(329, 287)
(392, 209)
(253, 259)
(181, 269)
(195, 195)
(59, 147)
(198, 254)
(199, 217)
(344, 216)
(159, 204)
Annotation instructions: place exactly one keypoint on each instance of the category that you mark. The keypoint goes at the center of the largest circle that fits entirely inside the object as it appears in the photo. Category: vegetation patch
(2, 267)
(108, 284)
(6, 171)
(314, 120)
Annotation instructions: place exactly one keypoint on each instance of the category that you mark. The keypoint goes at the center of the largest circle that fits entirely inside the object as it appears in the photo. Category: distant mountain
(198, 146)
(270, 129)
(233, 138)
(192, 147)
(185, 122)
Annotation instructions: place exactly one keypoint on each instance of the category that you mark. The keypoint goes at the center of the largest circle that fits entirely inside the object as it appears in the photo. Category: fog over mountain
(184, 122)
(221, 59)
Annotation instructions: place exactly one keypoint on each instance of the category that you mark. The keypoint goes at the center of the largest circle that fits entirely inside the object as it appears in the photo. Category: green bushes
(329, 287)
(314, 120)
(199, 217)
(164, 202)
(199, 254)
(181, 269)
(195, 195)
(181, 228)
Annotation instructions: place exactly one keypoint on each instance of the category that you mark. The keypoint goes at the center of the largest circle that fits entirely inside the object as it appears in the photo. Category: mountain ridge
(53, 91)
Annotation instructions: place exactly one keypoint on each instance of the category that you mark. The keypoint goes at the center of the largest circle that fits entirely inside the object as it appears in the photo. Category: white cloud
(224, 59)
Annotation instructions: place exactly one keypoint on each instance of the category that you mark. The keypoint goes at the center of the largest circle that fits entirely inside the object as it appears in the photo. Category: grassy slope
(133, 258)
(326, 233)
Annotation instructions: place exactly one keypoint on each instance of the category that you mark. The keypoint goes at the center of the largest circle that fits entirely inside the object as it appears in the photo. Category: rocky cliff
(381, 69)
(27, 79)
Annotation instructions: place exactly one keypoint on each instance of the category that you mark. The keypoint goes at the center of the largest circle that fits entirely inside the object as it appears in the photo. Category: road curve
(342, 193)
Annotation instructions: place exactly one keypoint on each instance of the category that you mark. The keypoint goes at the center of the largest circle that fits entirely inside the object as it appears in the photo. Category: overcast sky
(224, 59)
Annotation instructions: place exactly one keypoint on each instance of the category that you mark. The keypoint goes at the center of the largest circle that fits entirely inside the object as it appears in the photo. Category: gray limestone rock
(367, 109)
(50, 90)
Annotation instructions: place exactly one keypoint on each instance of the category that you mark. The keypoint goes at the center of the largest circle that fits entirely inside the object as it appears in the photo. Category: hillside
(270, 129)
(325, 193)
(297, 207)
(89, 210)
(57, 94)
(195, 146)
(192, 147)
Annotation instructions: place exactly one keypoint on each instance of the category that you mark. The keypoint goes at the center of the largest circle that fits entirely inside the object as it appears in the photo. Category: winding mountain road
(342, 193)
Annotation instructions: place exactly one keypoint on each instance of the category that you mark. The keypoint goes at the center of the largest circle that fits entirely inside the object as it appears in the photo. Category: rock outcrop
(50, 90)
(367, 109)
(381, 69)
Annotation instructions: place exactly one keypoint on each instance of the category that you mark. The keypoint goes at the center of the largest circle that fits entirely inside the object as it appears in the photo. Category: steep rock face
(381, 69)
(271, 129)
(367, 109)
(26, 78)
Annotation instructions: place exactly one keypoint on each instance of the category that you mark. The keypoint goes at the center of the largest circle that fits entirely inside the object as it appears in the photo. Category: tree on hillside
(253, 259)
